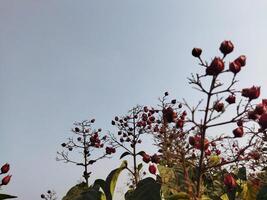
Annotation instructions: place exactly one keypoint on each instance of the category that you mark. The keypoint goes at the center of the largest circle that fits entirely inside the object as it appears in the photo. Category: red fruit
(229, 181)
(6, 180)
(180, 123)
(155, 158)
(169, 115)
(255, 155)
(207, 152)
(260, 109)
(230, 99)
(77, 129)
(108, 150)
(5, 168)
(263, 121)
(238, 132)
(252, 115)
(239, 123)
(235, 67)
(251, 93)
(152, 169)
(241, 60)
(218, 152)
(192, 140)
(42, 196)
(226, 47)
(196, 52)
(145, 109)
(218, 106)
(113, 122)
(146, 158)
(216, 66)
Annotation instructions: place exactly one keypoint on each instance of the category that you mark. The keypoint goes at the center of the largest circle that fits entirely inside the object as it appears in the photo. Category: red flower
(234, 67)
(226, 47)
(230, 99)
(241, 60)
(6, 180)
(5, 168)
(229, 181)
(263, 121)
(251, 93)
(196, 52)
(216, 67)
(238, 132)
(152, 169)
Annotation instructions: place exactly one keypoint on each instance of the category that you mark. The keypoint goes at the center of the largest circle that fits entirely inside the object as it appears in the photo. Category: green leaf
(147, 189)
(7, 196)
(109, 185)
(242, 173)
(140, 153)
(139, 167)
(262, 193)
(126, 153)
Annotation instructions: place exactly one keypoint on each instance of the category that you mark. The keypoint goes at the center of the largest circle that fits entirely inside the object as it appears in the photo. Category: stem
(134, 152)
(85, 158)
(203, 133)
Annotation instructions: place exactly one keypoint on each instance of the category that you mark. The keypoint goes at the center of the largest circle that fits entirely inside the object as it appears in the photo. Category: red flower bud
(238, 132)
(241, 60)
(226, 47)
(229, 181)
(235, 67)
(196, 52)
(152, 169)
(251, 93)
(230, 99)
(263, 121)
(216, 66)
(5, 168)
(6, 180)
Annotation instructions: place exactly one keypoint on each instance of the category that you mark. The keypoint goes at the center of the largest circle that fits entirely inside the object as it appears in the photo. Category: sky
(63, 61)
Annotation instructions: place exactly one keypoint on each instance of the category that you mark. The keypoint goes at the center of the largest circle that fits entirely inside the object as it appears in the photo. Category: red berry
(5, 168)
(235, 67)
(216, 66)
(229, 181)
(226, 47)
(263, 121)
(6, 180)
(196, 52)
(251, 93)
(146, 158)
(241, 60)
(152, 169)
(230, 99)
(238, 132)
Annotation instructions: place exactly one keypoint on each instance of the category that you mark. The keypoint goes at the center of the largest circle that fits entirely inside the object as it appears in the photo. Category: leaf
(147, 189)
(178, 196)
(140, 153)
(7, 196)
(126, 153)
(83, 192)
(109, 185)
(262, 193)
(242, 173)
(139, 167)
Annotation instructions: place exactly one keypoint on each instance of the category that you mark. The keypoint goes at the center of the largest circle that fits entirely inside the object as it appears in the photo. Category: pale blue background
(65, 60)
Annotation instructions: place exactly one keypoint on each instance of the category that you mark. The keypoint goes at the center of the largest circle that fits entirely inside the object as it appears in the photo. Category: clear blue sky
(65, 60)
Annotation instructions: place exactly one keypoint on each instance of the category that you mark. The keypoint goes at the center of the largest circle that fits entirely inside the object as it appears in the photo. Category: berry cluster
(4, 169)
